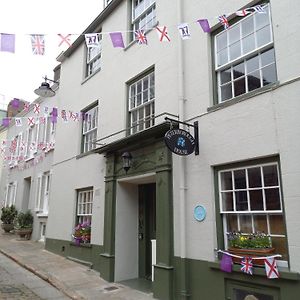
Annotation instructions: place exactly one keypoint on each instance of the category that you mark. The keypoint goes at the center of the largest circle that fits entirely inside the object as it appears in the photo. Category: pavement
(74, 280)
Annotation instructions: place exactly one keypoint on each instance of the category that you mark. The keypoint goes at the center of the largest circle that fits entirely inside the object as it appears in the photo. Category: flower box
(251, 253)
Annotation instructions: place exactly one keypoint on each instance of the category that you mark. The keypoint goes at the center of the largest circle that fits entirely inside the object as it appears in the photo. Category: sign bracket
(195, 125)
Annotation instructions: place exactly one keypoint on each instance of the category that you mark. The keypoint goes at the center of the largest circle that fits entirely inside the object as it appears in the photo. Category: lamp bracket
(47, 79)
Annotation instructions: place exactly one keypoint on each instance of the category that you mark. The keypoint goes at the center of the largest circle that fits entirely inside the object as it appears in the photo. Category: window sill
(90, 76)
(81, 245)
(243, 97)
(85, 154)
(258, 271)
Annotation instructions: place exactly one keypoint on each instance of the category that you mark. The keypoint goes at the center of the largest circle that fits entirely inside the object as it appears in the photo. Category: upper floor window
(43, 191)
(143, 14)
(250, 201)
(93, 58)
(89, 129)
(244, 56)
(141, 103)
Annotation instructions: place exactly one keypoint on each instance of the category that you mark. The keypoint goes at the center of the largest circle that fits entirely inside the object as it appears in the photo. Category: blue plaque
(199, 213)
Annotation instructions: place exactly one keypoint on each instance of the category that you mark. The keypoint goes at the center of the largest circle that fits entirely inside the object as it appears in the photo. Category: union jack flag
(247, 265)
(38, 44)
(259, 9)
(243, 12)
(223, 20)
(141, 37)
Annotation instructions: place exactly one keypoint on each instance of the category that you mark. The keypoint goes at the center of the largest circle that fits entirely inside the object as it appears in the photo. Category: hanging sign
(180, 141)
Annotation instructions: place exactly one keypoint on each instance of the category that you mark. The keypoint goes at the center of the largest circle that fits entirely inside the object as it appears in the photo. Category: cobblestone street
(16, 283)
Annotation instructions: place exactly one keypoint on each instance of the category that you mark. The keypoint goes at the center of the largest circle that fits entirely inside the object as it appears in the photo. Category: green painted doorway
(147, 227)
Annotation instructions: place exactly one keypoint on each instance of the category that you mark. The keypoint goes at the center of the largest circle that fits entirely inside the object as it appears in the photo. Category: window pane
(245, 224)
(222, 57)
(227, 201)
(232, 224)
(248, 43)
(260, 223)
(276, 224)
(263, 36)
(239, 179)
(279, 243)
(241, 201)
(270, 175)
(226, 92)
(256, 200)
(267, 57)
(235, 50)
(221, 41)
(269, 74)
(262, 19)
(234, 34)
(254, 177)
(247, 26)
(252, 64)
(239, 70)
(239, 87)
(272, 199)
(253, 81)
(226, 181)
(225, 76)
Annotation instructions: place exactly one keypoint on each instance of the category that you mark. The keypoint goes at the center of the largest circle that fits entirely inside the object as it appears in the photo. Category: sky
(22, 72)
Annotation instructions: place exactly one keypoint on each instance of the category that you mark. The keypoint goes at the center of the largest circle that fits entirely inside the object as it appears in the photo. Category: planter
(24, 233)
(7, 227)
(251, 253)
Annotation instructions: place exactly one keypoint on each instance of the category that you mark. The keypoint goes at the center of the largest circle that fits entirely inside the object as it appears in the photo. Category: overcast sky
(22, 72)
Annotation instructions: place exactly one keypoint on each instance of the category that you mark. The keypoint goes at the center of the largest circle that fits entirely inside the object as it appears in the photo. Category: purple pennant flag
(15, 103)
(54, 112)
(7, 42)
(204, 25)
(226, 263)
(54, 119)
(117, 39)
(5, 122)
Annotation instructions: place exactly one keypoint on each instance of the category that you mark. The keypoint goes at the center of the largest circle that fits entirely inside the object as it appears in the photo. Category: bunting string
(252, 257)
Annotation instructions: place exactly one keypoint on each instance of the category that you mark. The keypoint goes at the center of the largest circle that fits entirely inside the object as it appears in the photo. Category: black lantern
(127, 157)
(45, 90)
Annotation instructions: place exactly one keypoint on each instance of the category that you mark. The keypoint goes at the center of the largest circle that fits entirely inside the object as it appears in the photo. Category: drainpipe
(184, 290)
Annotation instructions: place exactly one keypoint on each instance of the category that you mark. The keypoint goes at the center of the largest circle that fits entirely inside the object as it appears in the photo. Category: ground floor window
(251, 202)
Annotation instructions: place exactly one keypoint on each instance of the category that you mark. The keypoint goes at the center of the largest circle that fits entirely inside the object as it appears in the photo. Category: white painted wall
(126, 246)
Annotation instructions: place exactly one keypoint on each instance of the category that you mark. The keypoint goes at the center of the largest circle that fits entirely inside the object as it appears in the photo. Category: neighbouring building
(111, 167)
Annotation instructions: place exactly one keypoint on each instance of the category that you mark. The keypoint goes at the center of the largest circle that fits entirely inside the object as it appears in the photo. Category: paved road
(16, 283)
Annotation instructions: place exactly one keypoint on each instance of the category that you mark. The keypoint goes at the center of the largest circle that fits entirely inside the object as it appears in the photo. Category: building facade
(241, 85)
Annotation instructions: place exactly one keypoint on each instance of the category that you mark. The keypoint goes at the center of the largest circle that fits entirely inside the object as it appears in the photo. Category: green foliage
(257, 240)
(8, 214)
(24, 220)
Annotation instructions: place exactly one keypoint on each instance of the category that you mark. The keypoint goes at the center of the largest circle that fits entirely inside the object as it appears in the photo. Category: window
(143, 15)
(89, 129)
(32, 141)
(141, 103)
(43, 191)
(11, 191)
(85, 206)
(244, 56)
(250, 201)
(47, 134)
(93, 58)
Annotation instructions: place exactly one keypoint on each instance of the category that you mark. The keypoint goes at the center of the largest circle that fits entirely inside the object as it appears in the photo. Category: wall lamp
(45, 90)
(127, 158)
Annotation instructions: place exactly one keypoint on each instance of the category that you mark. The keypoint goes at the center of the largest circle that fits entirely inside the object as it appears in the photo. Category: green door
(147, 228)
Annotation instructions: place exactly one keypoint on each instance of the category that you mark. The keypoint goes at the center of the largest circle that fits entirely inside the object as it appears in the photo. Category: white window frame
(43, 188)
(84, 207)
(93, 58)
(141, 9)
(243, 57)
(141, 103)
(89, 129)
(11, 193)
(252, 213)
(32, 136)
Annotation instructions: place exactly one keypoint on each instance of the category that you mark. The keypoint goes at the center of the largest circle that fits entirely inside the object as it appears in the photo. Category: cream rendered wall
(261, 126)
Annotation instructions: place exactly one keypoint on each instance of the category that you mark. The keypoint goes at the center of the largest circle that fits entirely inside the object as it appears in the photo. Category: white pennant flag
(184, 31)
(92, 40)
(271, 268)
(18, 122)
